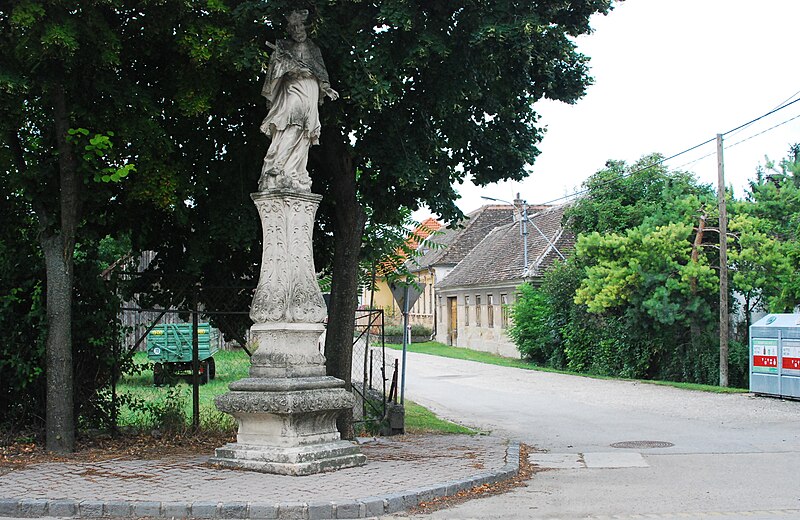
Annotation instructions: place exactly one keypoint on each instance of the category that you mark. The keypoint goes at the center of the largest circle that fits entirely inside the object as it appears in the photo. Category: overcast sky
(670, 74)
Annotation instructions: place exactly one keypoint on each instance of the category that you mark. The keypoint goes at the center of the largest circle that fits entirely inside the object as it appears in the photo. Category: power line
(763, 116)
(764, 131)
(696, 160)
(741, 141)
(788, 99)
(777, 106)
(662, 161)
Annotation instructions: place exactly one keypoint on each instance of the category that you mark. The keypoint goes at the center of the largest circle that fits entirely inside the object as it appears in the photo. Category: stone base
(287, 408)
(296, 461)
(287, 426)
(286, 350)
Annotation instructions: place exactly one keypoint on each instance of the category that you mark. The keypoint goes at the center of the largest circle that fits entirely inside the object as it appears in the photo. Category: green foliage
(421, 420)
(146, 406)
(532, 326)
(97, 148)
(440, 85)
(23, 319)
(766, 228)
(638, 298)
(390, 250)
(651, 270)
(417, 329)
(167, 413)
(623, 196)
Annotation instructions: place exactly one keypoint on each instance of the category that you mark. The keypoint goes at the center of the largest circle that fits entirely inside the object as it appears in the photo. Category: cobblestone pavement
(395, 466)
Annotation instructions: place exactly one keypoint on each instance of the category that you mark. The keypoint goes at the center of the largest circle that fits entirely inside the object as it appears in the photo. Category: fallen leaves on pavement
(105, 447)
(526, 470)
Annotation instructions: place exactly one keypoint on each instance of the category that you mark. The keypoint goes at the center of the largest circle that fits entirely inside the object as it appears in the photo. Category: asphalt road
(732, 455)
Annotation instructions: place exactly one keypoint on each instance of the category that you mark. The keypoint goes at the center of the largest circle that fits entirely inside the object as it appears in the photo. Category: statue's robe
(294, 88)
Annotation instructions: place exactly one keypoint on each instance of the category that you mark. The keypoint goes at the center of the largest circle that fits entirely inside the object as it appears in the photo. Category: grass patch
(440, 349)
(698, 387)
(170, 408)
(421, 420)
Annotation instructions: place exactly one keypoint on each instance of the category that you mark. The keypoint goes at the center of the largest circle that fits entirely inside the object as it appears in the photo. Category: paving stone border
(365, 507)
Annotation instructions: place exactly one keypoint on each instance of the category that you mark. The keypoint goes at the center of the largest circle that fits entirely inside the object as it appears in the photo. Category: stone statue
(287, 408)
(296, 84)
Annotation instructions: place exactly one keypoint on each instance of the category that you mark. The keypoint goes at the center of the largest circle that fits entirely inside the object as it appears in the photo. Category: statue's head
(297, 25)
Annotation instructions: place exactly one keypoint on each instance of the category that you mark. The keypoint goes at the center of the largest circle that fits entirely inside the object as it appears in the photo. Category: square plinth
(297, 461)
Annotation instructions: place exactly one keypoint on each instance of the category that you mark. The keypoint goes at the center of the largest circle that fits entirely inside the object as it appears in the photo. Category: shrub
(416, 330)
(533, 328)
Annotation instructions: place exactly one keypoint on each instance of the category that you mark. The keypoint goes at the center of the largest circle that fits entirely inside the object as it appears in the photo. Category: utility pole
(523, 228)
(524, 233)
(723, 268)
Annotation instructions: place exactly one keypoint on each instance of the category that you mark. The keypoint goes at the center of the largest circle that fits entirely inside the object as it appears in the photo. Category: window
(430, 296)
(441, 310)
(490, 309)
(504, 311)
(466, 311)
(478, 311)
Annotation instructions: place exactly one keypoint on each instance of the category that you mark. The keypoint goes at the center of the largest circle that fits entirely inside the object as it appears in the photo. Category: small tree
(765, 252)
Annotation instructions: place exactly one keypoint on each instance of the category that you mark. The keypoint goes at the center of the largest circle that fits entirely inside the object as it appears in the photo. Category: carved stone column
(287, 408)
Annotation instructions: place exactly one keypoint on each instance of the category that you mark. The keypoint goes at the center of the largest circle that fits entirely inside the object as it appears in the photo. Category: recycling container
(775, 355)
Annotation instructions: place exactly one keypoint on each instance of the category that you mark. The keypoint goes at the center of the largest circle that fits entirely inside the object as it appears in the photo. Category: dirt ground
(97, 447)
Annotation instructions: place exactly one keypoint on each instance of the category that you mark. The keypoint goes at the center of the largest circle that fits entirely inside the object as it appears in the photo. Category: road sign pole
(405, 294)
(405, 347)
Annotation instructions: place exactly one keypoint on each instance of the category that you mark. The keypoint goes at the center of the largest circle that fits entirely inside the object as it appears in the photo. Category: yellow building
(423, 311)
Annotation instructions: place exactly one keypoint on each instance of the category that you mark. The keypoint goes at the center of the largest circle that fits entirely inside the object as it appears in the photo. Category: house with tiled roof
(473, 299)
(436, 257)
(439, 255)
(382, 297)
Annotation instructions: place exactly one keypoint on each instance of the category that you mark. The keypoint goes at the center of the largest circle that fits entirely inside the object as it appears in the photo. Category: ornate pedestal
(287, 408)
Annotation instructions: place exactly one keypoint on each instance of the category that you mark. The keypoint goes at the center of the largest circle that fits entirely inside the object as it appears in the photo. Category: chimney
(518, 202)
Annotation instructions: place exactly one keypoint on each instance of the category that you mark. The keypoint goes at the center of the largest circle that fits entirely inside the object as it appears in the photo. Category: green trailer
(169, 346)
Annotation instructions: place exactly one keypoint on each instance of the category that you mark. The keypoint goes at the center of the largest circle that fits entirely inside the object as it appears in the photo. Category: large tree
(644, 237)
(58, 60)
(432, 93)
(765, 250)
(75, 122)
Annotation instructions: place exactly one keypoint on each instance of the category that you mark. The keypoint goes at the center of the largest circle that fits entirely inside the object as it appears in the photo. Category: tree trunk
(695, 328)
(58, 248)
(748, 308)
(60, 426)
(348, 231)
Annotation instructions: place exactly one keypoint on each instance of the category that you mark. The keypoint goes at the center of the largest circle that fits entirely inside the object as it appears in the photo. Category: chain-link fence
(373, 379)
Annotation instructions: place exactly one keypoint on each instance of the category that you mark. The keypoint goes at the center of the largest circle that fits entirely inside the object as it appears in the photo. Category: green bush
(533, 330)
(553, 331)
(23, 321)
(416, 330)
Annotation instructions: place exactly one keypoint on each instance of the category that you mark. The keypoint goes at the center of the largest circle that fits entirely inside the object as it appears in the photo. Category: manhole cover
(642, 444)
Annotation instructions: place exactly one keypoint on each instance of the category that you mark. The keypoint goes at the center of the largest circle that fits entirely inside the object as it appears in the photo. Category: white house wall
(474, 333)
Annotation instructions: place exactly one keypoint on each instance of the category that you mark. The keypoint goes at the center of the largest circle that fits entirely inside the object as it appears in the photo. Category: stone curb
(366, 507)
